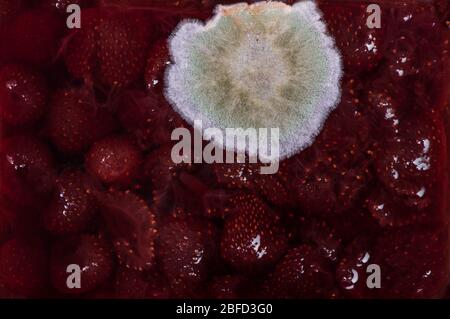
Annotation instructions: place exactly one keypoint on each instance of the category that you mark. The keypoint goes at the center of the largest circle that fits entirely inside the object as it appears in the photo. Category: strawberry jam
(88, 187)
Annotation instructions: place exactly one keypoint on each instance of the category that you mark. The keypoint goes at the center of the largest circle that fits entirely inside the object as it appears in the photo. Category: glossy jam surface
(86, 175)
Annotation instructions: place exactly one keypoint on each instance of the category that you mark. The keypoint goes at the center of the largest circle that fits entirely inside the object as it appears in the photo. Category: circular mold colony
(264, 65)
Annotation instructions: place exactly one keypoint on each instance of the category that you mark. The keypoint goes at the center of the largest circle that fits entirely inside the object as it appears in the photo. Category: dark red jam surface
(87, 178)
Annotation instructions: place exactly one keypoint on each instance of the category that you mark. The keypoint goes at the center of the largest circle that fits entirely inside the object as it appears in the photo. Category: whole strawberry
(253, 235)
(27, 168)
(131, 226)
(23, 94)
(73, 206)
(75, 121)
(302, 273)
(187, 250)
(113, 160)
(110, 48)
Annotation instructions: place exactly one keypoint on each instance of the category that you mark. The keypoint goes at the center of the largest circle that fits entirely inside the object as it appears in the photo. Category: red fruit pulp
(87, 176)
(91, 253)
(32, 36)
(23, 266)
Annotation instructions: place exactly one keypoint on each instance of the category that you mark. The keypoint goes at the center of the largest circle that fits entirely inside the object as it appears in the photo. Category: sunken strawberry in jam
(357, 209)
